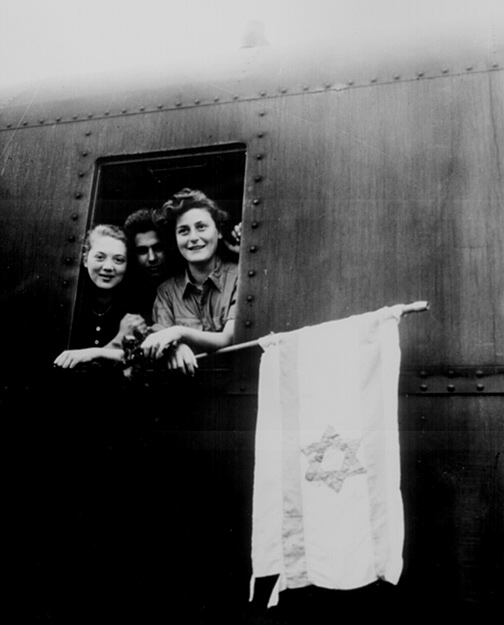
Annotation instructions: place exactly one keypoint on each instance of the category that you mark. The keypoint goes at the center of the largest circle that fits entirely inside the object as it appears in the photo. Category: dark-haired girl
(195, 310)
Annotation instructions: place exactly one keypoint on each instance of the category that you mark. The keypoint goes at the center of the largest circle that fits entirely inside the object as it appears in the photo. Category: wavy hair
(103, 230)
(184, 201)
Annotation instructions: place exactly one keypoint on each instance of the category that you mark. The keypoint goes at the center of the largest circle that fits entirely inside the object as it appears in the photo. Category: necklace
(103, 313)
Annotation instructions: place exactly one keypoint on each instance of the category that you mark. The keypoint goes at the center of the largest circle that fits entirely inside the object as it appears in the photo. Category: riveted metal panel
(390, 194)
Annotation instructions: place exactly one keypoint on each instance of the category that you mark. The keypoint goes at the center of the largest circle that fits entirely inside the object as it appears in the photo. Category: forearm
(111, 353)
(201, 340)
(72, 357)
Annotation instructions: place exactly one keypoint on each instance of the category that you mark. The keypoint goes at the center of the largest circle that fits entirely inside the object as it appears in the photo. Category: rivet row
(282, 90)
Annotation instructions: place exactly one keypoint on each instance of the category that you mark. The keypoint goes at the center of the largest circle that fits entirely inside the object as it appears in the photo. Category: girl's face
(197, 236)
(106, 261)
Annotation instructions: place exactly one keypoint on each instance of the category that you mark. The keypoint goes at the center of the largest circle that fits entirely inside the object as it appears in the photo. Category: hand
(131, 322)
(234, 244)
(72, 357)
(156, 343)
(181, 357)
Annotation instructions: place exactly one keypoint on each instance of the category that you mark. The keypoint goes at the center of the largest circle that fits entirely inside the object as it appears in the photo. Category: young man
(149, 259)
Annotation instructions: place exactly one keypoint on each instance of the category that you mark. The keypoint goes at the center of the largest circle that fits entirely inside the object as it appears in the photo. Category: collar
(215, 279)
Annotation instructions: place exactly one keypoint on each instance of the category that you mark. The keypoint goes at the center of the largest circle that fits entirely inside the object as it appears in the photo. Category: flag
(327, 507)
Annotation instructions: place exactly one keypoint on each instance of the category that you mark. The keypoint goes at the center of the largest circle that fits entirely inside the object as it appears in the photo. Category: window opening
(124, 185)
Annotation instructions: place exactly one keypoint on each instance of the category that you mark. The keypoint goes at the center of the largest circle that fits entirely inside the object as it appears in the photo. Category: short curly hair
(140, 221)
(187, 199)
(103, 230)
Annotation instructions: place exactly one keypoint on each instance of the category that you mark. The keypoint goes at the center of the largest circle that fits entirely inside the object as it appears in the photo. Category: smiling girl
(194, 311)
(105, 308)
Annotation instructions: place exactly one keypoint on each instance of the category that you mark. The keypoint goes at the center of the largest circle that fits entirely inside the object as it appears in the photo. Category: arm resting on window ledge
(72, 357)
(155, 344)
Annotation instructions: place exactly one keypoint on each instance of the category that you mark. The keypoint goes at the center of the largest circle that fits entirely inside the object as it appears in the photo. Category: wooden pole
(419, 306)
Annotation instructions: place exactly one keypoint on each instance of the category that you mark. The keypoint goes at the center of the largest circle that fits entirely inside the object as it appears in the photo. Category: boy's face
(150, 254)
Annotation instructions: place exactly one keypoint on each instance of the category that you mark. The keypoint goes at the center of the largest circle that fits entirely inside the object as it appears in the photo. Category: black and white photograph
(252, 311)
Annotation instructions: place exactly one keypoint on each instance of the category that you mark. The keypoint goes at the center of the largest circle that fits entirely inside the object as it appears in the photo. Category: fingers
(132, 322)
(191, 363)
(237, 232)
(182, 359)
(176, 362)
(155, 344)
(66, 360)
(153, 347)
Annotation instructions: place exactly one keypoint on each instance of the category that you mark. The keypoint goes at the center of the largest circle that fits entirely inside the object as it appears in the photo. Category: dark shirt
(142, 294)
(95, 325)
(207, 307)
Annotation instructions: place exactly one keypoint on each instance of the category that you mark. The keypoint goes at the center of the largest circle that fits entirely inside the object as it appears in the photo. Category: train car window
(125, 184)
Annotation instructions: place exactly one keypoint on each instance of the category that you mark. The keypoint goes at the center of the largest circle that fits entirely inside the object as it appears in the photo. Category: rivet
(254, 224)
(256, 201)
(258, 178)
(259, 157)
(106, 113)
(260, 135)
(243, 389)
(253, 248)
(480, 387)
(495, 65)
(90, 115)
(423, 387)
(350, 82)
(178, 103)
(248, 323)
(469, 68)
(124, 111)
(328, 85)
(142, 108)
(250, 298)
(283, 90)
(197, 101)
(451, 373)
(251, 273)
(397, 77)
(423, 374)
(160, 106)
(450, 388)
(74, 116)
(479, 373)
(9, 125)
(235, 97)
(263, 93)
(65, 283)
(216, 99)
(420, 74)
(305, 87)
(25, 123)
(74, 217)
(41, 121)
(374, 79)
(445, 70)
(262, 113)
(68, 260)
(58, 119)
(77, 195)
(88, 133)
(85, 153)
(71, 238)
(81, 174)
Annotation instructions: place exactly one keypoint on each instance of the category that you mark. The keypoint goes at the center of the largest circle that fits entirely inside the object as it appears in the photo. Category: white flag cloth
(327, 507)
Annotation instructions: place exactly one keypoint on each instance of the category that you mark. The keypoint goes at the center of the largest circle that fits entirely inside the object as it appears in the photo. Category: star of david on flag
(327, 507)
